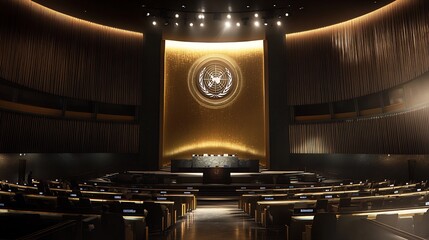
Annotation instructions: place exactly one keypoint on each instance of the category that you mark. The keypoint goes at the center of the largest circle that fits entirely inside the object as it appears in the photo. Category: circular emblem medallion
(214, 81)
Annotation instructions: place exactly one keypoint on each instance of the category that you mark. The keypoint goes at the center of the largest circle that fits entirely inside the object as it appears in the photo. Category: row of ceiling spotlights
(227, 24)
(228, 16)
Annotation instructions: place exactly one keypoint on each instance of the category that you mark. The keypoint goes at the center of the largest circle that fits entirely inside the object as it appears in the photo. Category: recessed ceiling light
(176, 15)
(154, 23)
(256, 23)
(256, 15)
(191, 24)
(201, 24)
(265, 24)
(248, 6)
(177, 24)
(227, 24)
(279, 23)
(148, 14)
(228, 16)
(238, 24)
(183, 6)
(287, 14)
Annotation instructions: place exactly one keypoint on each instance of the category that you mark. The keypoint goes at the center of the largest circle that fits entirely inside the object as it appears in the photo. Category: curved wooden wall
(365, 55)
(55, 53)
(401, 133)
(32, 134)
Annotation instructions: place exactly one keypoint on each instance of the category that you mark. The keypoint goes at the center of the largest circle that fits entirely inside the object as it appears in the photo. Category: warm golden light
(191, 125)
(61, 16)
(202, 146)
(401, 213)
(218, 46)
(366, 17)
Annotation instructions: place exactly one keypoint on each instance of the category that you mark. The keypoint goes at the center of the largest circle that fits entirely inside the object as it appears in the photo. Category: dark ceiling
(133, 14)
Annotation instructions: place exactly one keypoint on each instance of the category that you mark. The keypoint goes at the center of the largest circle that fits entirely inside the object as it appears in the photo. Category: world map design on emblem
(215, 80)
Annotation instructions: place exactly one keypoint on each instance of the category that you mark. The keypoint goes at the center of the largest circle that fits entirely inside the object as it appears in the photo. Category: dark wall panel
(401, 133)
(66, 165)
(278, 109)
(150, 105)
(58, 54)
(365, 55)
(363, 166)
(32, 134)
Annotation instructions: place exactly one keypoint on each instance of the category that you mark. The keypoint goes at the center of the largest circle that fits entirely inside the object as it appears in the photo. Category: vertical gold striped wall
(55, 53)
(365, 55)
(403, 133)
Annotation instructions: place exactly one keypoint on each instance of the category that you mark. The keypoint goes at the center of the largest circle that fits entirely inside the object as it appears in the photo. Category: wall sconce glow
(227, 24)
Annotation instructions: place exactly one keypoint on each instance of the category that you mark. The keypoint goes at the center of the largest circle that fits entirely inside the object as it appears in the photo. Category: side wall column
(278, 108)
(149, 114)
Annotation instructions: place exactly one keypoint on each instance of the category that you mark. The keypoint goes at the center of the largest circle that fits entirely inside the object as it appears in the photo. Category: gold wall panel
(238, 126)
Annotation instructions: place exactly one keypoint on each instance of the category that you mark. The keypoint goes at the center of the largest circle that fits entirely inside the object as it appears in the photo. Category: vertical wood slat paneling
(362, 56)
(404, 133)
(33, 134)
(62, 55)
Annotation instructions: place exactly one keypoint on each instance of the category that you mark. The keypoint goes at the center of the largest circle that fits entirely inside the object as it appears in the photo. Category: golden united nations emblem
(214, 81)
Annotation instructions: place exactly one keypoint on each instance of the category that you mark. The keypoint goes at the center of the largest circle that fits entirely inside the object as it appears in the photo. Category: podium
(201, 163)
(217, 175)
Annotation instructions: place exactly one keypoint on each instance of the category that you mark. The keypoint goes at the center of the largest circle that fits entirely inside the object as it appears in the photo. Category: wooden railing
(53, 112)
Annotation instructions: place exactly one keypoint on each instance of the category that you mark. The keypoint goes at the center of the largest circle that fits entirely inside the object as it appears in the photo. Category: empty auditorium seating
(324, 226)
(112, 226)
(421, 225)
(389, 219)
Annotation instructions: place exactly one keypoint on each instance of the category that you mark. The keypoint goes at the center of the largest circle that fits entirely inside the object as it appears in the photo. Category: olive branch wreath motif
(207, 92)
